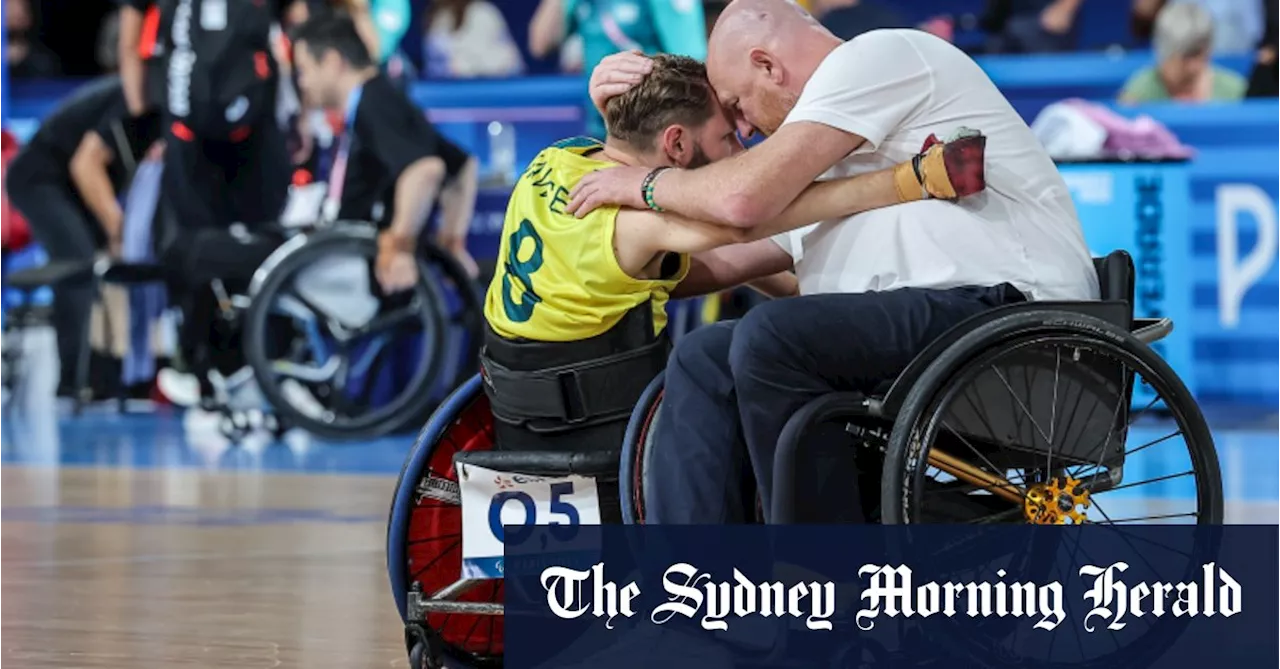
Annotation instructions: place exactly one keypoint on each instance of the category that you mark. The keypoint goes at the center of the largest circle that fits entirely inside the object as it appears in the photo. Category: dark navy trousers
(732, 386)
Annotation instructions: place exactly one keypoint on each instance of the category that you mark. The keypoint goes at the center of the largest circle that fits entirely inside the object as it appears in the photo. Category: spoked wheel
(424, 541)
(1040, 427)
(333, 354)
(1032, 419)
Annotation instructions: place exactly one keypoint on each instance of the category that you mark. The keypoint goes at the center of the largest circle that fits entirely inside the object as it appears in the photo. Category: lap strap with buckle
(574, 393)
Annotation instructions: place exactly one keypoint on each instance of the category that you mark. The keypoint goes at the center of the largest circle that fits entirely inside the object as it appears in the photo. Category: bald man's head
(760, 55)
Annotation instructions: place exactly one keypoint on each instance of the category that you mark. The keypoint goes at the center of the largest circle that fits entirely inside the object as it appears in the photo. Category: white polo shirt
(894, 88)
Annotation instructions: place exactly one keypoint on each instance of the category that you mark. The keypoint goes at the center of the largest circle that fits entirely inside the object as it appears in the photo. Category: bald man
(876, 287)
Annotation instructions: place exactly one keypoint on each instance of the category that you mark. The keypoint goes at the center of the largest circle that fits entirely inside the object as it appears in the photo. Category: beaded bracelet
(646, 188)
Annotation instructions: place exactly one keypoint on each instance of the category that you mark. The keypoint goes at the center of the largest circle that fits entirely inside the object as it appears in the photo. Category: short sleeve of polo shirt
(867, 86)
(398, 133)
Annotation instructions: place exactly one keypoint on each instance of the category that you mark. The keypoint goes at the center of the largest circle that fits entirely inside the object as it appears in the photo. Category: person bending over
(575, 311)
(876, 288)
(392, 164)
(66, 181)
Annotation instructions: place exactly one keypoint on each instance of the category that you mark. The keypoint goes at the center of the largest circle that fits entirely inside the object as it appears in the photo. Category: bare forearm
(416, 190)
(132, 73)
(782, 284)
(730, 266)
(690, 193)
(458, 201)
(833, 199)
(546, 29)
(94, 186)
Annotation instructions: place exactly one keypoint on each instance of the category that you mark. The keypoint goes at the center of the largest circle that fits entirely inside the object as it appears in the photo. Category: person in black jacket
(1263, 82)
(66, 182)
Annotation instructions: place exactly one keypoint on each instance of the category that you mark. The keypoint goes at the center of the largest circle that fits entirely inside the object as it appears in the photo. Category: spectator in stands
(469, 38)
(847, 19)
(25, 55)
(610, 26)
(1183, 44)
(1238, 24)
(1262, 82)
(1031, 26)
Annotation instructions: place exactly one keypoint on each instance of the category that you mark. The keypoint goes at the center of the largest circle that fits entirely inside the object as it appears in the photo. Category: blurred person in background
(140, 54)
(1031, 26)
(1262, 81)
(609, 26)
(382, 25)
(469, 38)
(847, 19)
(108, 47)
(1183, 46)
(1238, 25)
(66, 182)
(393, 165)
(25, 55)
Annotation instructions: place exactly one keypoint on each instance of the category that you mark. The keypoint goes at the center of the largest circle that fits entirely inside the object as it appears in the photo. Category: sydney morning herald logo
(891, 591)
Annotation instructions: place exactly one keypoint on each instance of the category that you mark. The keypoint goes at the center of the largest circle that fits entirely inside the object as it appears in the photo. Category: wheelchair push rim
(329, 408)
(1044, 475)
(424, 534)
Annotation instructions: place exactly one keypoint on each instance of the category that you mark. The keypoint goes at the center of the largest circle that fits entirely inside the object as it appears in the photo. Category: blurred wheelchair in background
(331, 354)
(1030, 413)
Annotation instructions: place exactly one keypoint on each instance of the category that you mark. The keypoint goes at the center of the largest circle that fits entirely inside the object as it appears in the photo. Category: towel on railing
(1079, 129)
(146, 303)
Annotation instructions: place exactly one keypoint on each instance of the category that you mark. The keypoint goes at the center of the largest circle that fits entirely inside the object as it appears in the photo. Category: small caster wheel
(418, 656)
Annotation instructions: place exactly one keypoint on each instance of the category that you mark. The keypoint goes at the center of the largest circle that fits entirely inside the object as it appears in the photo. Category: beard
(774, 110)
(698, 159)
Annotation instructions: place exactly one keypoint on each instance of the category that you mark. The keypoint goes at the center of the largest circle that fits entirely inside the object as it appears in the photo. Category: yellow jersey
(557, 278)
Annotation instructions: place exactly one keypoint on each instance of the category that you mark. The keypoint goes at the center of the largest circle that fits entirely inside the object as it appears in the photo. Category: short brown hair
(676, 91)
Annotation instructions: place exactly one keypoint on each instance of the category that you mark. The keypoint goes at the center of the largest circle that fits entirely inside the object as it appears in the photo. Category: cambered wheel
(1032, 419)
(425, 536)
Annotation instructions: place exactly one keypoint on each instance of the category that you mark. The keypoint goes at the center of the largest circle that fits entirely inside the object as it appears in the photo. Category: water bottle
(502, 152)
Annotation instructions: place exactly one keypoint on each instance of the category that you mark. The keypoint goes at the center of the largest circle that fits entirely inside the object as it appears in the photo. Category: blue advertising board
(1141, 208)
(1204, 239)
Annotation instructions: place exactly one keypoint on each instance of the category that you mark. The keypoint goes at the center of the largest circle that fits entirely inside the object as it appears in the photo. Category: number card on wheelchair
(493, 499)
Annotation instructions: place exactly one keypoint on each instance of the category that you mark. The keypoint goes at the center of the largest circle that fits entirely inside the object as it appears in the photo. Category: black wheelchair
(331, 354)
(1029, 413)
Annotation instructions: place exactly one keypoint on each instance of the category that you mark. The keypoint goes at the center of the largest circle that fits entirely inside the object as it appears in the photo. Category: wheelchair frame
(1107, 320)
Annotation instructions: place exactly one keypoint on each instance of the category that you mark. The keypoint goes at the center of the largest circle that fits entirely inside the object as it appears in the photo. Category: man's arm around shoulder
(756, 185)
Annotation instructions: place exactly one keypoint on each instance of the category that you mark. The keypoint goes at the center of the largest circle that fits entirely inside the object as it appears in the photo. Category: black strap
(574, 393)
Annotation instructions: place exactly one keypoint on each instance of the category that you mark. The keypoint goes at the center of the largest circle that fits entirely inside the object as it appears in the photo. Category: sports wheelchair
(327, 350)
(1028, 413)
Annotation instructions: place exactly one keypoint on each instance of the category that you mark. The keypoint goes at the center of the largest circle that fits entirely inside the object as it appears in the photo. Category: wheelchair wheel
(634, 480)
(335, 366)
(463, 309)
(1030, 418)
(633, 465)
(424, 530)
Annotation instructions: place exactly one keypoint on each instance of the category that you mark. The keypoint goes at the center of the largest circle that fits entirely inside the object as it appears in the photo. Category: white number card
(492, 499)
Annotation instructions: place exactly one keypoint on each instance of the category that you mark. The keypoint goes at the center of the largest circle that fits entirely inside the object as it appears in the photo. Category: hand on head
(616, 75)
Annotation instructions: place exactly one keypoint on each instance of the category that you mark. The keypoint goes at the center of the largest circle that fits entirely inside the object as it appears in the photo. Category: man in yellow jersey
(576, 309)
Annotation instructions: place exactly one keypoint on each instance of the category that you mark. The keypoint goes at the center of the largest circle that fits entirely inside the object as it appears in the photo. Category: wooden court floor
(141, 541)
(132, 569)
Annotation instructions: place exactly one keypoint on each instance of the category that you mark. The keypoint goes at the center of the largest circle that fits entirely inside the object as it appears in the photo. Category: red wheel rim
(435, 536)
(637, 472)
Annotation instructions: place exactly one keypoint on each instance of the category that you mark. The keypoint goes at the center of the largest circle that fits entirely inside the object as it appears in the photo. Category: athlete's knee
(761, 340)
(702, 354)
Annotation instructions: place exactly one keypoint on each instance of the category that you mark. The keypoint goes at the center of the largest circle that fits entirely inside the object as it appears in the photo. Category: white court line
(187, 557)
